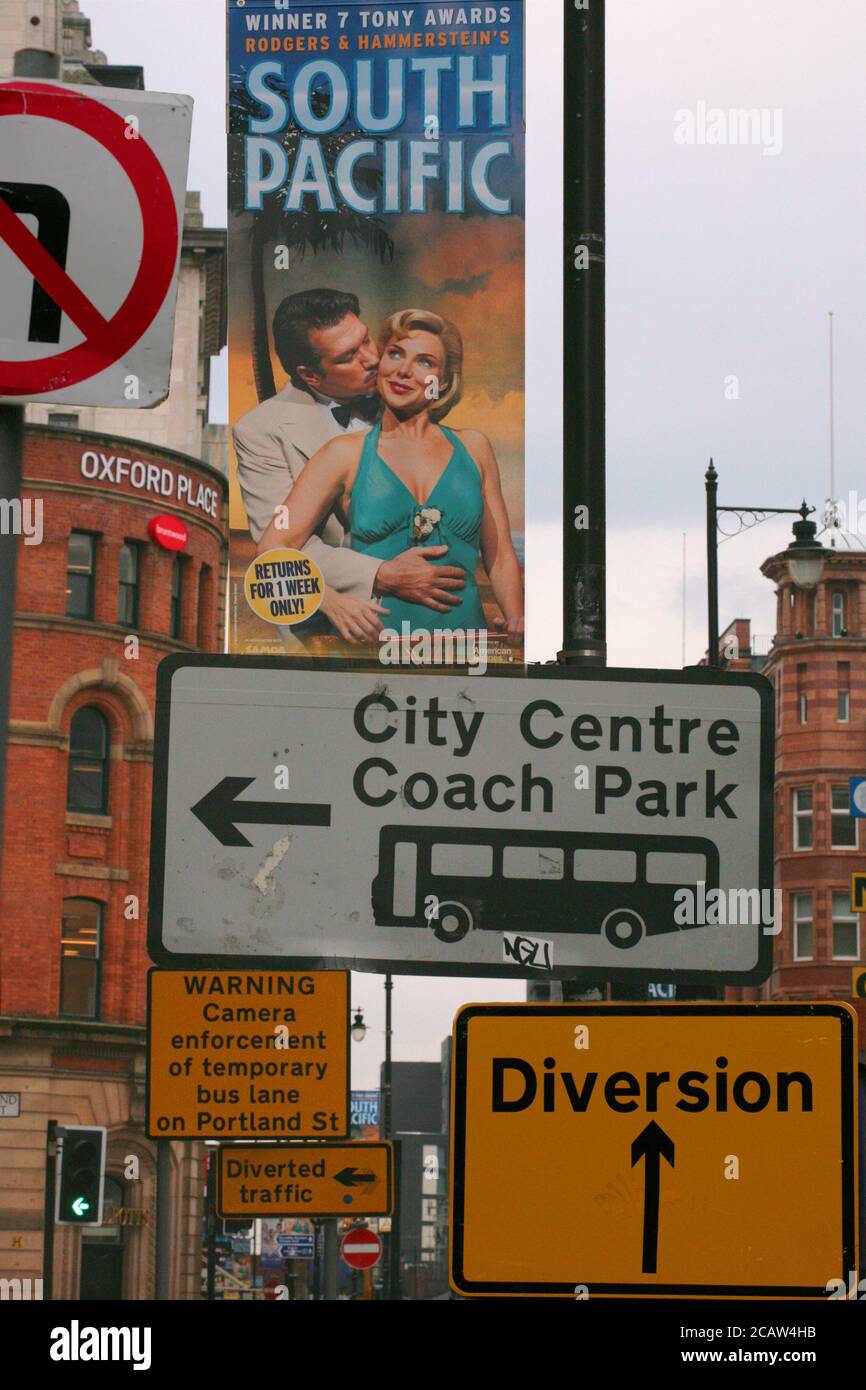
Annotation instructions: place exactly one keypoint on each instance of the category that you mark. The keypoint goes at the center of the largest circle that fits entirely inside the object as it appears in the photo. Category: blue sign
(858, 797)
(295, 1247)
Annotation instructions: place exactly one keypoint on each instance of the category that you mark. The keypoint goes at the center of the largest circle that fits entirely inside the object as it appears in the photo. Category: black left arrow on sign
(220, 812)
(354, 1177)
(652, 1144)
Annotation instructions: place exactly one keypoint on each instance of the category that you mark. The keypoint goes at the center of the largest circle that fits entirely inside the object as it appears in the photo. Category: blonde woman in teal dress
(411, 481)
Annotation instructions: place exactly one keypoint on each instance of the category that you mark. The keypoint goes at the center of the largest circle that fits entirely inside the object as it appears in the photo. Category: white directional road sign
(92, 189)
(535, 824)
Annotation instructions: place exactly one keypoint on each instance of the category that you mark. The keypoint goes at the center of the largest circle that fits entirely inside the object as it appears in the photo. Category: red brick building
(817, 664)
(100, 601)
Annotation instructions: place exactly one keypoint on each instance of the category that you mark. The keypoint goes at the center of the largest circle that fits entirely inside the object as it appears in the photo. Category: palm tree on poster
(309, 230)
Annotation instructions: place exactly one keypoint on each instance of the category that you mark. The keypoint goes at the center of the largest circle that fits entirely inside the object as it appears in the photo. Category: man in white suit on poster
(332, 364)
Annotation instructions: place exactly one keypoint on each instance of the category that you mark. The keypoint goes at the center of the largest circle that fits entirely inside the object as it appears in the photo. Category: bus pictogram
(619, 886)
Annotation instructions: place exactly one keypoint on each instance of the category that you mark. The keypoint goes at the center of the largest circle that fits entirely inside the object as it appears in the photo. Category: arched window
(80, 951)
(87, 782)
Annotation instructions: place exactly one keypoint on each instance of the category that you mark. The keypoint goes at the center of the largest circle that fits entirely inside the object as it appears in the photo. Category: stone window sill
(81, 818)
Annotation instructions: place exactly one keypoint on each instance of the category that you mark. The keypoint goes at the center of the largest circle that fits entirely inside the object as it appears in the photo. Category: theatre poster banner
(376, 331)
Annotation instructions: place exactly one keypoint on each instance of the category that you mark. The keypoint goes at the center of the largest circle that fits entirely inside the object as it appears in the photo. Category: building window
(80, 569)
(130, 566)
(176, 595)
(802, 698)
(89, 747)
(814, 612)
(844, 826)
(843, 692)
(202, 627)
(804, 708)
(80, 942)
(803, 922)
(803, 818)
(846, 929)
(61, 420)
(839, 614)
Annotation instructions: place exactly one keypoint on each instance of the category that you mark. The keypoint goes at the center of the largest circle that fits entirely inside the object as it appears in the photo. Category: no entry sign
(361, 1249)
(89, 244)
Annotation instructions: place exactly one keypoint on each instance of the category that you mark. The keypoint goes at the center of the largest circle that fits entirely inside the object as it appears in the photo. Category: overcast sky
(723, 262)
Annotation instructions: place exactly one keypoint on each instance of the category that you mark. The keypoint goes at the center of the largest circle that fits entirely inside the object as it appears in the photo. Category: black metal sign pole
(584, 626)
(48, 1211)
(712, 485)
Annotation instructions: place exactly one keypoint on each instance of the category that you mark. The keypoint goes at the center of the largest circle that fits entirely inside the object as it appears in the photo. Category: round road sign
(360, 1248)
(105, 340)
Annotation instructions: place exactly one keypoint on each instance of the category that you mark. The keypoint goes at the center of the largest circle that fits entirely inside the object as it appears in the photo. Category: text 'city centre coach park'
(363, 937)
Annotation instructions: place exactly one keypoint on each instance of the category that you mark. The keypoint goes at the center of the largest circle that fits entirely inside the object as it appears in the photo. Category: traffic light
(80, 1175)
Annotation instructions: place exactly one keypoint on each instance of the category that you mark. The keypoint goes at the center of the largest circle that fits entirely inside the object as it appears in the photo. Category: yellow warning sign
(252, 1053)
(313, 1179)
(674, 1149)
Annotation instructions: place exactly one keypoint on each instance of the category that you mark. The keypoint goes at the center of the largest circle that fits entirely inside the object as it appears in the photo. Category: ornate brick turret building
(817, 664)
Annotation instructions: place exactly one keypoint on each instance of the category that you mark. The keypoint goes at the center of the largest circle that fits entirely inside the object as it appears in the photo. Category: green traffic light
(80, 1206)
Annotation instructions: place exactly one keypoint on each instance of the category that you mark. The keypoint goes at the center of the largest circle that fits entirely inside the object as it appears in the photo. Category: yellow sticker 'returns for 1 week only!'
(679, 1150)
(251, 1053)
(284, 587)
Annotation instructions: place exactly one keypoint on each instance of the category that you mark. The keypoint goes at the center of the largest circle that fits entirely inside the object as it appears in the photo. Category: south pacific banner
(376, 331)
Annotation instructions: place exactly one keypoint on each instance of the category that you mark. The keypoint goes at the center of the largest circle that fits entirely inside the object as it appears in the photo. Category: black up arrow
(353, 1177)
(220, 812)
(651, 1144)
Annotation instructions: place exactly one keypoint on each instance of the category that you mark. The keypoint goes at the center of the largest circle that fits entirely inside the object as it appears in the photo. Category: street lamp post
(804, 556)
(391, 1262)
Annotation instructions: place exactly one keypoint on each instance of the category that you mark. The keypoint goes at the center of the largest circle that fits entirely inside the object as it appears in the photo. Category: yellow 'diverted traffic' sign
(309, 1179)
(674, 1149)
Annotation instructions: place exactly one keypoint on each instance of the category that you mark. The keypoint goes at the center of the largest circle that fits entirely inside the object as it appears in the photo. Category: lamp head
(805, 556)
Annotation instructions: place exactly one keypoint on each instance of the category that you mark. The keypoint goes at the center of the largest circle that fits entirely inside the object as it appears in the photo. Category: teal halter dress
(382, 514)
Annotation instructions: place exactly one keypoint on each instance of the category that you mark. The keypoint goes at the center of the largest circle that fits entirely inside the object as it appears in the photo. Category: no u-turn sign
(91, 210)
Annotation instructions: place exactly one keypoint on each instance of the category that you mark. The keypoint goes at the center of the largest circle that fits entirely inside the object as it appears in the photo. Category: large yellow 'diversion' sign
(236, 1054)
(309, 1179)
(639, 1149)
